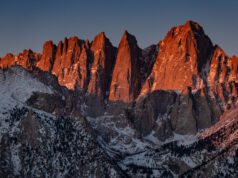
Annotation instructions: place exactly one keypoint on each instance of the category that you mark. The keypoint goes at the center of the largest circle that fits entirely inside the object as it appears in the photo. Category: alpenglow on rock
(185, 58)
(71, 64)
(103, 60)
(182, 54)
(125, 83)
(48, 56)
(100, 111)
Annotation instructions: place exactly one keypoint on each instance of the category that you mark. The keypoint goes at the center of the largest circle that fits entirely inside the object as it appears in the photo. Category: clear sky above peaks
(29, 23)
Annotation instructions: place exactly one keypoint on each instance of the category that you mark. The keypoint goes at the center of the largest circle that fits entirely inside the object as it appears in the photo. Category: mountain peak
(48, 56)
(48, 43)
(103, 60)
(182, 54)
(100, 41)
(128, 38)
(101, 35)
(193, 25)
(190, 30)
(126, 77)
(178, 63)
(126, 34)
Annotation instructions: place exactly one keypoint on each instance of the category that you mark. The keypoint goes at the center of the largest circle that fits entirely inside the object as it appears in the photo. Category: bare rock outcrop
(103, 60)
(72, 63)
(48, 56)
(126, 77)
(182, 55)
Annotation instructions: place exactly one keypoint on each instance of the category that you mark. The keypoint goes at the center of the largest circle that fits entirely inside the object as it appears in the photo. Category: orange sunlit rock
(103, 59)
(125, 83)
(48, 56)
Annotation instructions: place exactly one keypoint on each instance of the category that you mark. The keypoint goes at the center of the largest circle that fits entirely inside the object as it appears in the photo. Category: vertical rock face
(185, 59)
(149, 55)
(126, 78)
(233, 64)
(182, 55)
(48, 56)
(150, 113)
(57, 67)
(222, 79)
(218, 67)
(222, 68)
(103, 60)
(71, 64)
(182, 118)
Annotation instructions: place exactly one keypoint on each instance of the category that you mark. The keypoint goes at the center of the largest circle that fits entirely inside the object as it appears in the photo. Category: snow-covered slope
(34, 143)
(38, 144)
(17, 85)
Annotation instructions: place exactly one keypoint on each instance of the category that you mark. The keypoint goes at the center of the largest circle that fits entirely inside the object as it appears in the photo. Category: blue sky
(28, 24)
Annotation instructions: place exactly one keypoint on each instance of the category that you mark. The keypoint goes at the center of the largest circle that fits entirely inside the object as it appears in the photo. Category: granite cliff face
(103, 61)
(185, 58)
(182, 55)
(72, 63)
(48, 56)
(222, 79)
(126, 77)
(201, 76)
(131, 112)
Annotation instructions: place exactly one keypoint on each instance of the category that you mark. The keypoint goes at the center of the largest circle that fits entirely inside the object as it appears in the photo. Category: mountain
(89, 109)
(126, 78)
(103, 55)
(182, 55)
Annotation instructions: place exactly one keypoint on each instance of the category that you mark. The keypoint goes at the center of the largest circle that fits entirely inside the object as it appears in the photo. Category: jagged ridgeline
(185, 62)
(89, 109)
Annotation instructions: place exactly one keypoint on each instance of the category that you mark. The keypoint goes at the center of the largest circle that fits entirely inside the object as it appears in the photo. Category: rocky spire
(103, 59)
(126, 78)
(71, 63)
(48, 56)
